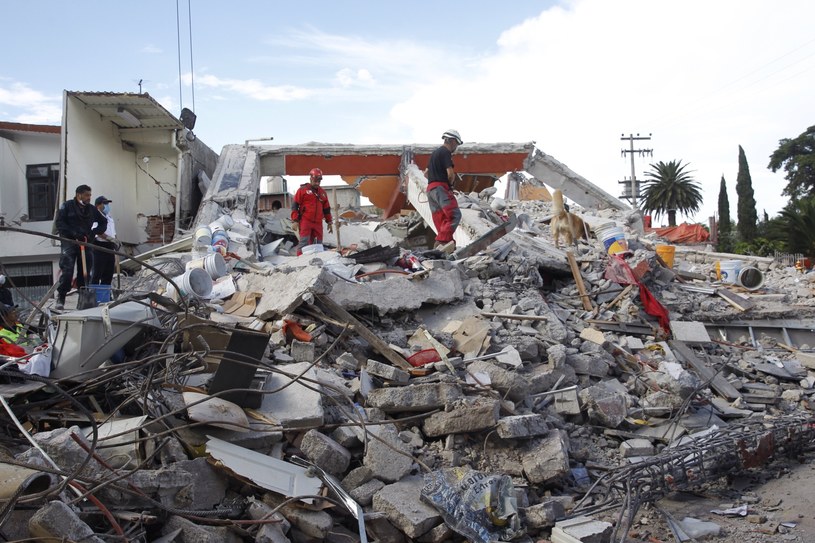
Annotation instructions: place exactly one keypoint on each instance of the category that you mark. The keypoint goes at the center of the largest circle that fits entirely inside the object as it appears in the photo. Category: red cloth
(684, 233)
(10, 349)
(620, 272)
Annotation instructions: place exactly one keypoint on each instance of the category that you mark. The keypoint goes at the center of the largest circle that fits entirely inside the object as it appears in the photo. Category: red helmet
(316, 173)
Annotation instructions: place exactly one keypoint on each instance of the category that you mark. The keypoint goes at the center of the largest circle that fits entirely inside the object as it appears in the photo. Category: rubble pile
(521, 393)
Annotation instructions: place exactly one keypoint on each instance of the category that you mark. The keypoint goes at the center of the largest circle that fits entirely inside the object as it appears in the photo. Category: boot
(60, 302)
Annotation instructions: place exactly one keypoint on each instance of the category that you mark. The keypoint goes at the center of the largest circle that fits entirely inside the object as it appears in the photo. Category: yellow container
(666, 253)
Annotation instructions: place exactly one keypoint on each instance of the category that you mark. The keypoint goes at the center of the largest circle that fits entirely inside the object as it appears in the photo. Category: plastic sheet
(478, 505)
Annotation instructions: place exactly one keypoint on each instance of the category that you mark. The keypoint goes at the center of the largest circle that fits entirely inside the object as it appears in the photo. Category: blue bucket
(102, 293)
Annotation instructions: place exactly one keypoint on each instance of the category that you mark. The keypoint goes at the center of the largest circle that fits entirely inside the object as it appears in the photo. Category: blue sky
(702, 77)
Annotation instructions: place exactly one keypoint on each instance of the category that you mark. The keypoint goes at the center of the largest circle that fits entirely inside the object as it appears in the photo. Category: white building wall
(138, 188)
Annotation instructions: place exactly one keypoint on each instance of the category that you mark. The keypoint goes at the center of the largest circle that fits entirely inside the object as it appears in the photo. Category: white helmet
(452, 134)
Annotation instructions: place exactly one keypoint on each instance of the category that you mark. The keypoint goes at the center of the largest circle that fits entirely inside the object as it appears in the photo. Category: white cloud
(703, 77)
(349, 78)
(151, 49)
(37, 108)
(252, 88)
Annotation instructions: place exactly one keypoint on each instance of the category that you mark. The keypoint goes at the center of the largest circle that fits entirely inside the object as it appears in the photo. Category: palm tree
(668, 189)
(797, 226)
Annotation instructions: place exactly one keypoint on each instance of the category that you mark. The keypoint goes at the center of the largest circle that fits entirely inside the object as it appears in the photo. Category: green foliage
(796, 224)
(747, 216)
(797, 157)
(724, 208)
(668, 189)
(759, 247)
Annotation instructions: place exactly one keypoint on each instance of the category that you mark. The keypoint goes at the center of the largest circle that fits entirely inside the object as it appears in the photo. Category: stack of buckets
(210, 245)
(613, 238)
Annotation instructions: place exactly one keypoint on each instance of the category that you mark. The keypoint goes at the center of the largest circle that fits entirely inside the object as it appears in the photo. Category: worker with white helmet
(441, 176)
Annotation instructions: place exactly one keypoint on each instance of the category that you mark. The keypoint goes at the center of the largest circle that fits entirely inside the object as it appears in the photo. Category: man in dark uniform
(440, 179)
(74, 221)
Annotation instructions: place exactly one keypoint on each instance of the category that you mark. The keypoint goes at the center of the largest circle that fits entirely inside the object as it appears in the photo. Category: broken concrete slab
(398, 293)
(691, 332)
(325, 452)
(546, 459)
(293, 405)
(582, 529)
(522, 426)
(195, 533)
(386, 371)
(605, 405)
(421, 397)
(57, 521)
(285, 289)
(388, 457)
(544, 514)
(509, 383)
(468, 415)
(403, 507)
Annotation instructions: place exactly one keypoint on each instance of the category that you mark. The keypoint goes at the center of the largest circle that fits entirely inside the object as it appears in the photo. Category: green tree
(668, 188)
(797, 225)
(746, 212)
(725, 243)
(797, 157)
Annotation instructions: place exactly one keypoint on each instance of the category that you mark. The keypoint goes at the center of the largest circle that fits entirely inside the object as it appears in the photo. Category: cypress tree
(724, 218)
(747, 216)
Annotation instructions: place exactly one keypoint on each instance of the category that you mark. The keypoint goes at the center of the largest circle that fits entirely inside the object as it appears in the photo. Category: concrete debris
(383, 360)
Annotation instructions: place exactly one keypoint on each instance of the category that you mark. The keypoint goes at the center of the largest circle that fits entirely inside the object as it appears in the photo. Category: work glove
(330, 227)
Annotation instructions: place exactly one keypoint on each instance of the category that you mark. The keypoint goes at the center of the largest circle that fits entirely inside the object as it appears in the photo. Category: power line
(192, 70)
(631, 187)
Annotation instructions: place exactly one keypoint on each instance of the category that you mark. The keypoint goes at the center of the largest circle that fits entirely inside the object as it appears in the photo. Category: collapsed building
(375, 389)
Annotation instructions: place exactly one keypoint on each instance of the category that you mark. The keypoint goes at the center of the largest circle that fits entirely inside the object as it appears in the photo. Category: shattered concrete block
(325, 452)
(544, 515)
(509, 383)
(364, 494)
(385, 461)
(556, 355)
(689, 331)
(593, 335)
(386, 371)
(397, 293)
(440, 533)
(194, 533)
(583, 529)
(293, 405)
(381, 530)
(56, 521)
(527, 347)
(272, 532)
(662, 398)
(60, 446)
(467, 416)
(311, 523)
(303, 351)
(347, 361)
(585, 364)
(347, 436)
(423, 397)
(566, 401)
(402, 504)
(188, 484)
(604, 405)
(543, 378)
(284, 290)
(521, 426)
(357, 477)
(636, 447)
(546, 460)
(673, 377)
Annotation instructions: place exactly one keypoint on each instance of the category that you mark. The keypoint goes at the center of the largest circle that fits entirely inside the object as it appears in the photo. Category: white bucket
(214, 264)
(220, 242)
(224, 221)
(203, 236)
(727, 271)
(613, 238)
(195, 282)
(751, 278)
(311, 249)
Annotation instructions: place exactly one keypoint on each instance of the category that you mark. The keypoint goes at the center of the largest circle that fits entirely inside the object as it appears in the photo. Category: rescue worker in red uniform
(310, 208)
(440, 179)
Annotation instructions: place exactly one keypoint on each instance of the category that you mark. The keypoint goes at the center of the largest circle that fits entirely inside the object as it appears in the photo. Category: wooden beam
(578, 278)
(379, 346)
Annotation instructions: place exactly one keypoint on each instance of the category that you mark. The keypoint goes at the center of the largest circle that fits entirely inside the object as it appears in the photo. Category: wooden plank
(739, 302)
(379, 346)
(578, 279)
(717, 381)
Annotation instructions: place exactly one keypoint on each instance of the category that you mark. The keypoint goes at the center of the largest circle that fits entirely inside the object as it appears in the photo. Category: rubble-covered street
(382, 391)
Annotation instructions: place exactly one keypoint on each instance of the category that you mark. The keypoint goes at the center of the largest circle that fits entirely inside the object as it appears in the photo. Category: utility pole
(631, 187)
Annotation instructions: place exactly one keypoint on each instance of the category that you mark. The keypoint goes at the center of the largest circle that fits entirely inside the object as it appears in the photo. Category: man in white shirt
(103, 263)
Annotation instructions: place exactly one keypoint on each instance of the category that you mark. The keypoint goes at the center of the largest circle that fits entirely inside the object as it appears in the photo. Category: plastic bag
(480, 506)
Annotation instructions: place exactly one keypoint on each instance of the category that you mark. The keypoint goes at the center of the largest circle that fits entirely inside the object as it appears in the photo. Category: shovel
(87, 296)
